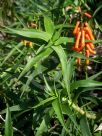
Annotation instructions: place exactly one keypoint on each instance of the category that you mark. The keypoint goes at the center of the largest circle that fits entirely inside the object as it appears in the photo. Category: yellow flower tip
(25, 42)
(30, 44)
(87, 62)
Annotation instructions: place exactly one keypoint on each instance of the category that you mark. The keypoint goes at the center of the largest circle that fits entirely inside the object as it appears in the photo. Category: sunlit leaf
(49, 25)
(66, 66)
(31, 33)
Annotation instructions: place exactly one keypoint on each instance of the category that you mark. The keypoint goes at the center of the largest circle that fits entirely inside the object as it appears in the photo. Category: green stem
(81, 111)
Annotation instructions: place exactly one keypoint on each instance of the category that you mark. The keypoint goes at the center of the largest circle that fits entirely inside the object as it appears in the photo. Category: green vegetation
(43, 92)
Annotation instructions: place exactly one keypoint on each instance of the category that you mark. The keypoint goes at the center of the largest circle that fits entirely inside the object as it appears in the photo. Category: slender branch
(52, 128)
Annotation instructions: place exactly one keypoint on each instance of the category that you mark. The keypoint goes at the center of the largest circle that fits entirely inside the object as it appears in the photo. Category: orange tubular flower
(78, 61)
(89, 32)
(88, 15)
(90, 50)
(87, 37)
(87, 62)
(75, 49)
(82, 40)
(77, 40)
(87, 55)
(91, 44)
(81, 33)
(78, 30)
(87, 25)
(76, 27)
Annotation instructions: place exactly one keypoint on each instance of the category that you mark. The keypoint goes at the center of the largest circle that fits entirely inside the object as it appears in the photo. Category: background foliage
(42, 91)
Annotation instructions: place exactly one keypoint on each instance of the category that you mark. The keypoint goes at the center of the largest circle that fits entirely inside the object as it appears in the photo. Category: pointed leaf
(49, 25)
(48, 88)
(8, 124)
(64, 63)
(85, 127)
(65, 40)
(44, 101)
(85, 83)
(57, 108)
(31, 33)
(95, 75)
(44, 124)
(66, 110)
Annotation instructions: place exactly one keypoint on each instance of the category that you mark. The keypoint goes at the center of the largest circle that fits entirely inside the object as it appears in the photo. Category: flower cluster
(83, 44)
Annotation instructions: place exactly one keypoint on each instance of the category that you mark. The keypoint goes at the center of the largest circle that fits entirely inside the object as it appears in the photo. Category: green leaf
(57, 108)
(85, 127)
(44, 101)
(64, 26)
(79, 55)
(97, 10)
(12, 108)
(44, 124)
(66, 110)
(43, 127)
(41, 7)
(35, 60)
(100, 27)
(31, 33)
(49, 25)
(39, 69)
(66, 70)
(98, 41)
(65, 40)
(8, 123)
(95, 75)
(48, 88)
(11, 53)
(85, 83)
